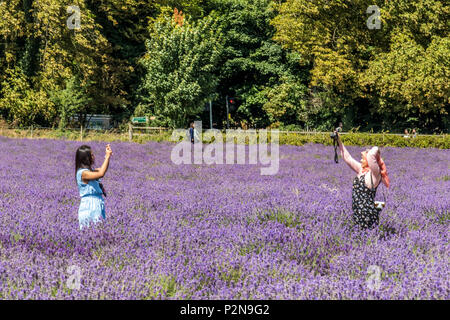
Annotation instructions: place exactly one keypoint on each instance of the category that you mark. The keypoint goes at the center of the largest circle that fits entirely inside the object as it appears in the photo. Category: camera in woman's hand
(334, 135)
(379, 204)
(103, 189)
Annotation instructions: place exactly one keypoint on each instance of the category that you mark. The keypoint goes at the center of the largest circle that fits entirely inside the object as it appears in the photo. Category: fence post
(130, 132)
(81, 133)
(31, 131)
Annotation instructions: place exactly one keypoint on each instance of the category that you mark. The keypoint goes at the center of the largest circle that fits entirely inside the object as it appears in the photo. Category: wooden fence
(132, 128)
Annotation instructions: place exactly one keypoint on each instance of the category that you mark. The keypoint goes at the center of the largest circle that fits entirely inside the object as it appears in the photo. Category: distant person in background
(193, 134)
(92, 205)
(370, 171)
(339, 128)
(413, 132)
(406, 135)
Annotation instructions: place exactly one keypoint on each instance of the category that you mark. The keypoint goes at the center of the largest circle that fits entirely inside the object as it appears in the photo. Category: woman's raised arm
(352, 163)
(93, 175)
(372, 157)
(372, 161)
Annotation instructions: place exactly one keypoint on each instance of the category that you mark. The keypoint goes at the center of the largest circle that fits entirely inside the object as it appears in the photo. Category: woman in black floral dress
(371, 170)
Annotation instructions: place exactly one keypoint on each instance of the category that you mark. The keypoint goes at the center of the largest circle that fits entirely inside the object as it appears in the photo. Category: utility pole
(228, 114)
(210, 114)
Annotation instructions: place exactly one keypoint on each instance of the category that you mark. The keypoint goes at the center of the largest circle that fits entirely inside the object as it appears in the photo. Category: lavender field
(220, 232)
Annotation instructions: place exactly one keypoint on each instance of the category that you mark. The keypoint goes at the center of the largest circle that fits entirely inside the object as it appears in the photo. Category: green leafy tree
(40, 51)
(287, 102)
(22, 105)
(388, 75)
(125, 26)
(408, 81)
(253, 65)
(68, 101)
(180, 61)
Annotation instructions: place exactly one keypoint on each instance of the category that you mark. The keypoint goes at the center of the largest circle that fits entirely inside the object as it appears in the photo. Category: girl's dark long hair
(83, 158)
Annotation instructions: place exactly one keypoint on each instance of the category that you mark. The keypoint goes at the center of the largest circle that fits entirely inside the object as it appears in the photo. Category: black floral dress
(364, 212)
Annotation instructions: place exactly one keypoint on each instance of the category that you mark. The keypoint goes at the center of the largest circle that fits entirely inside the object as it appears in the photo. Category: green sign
(139, 120)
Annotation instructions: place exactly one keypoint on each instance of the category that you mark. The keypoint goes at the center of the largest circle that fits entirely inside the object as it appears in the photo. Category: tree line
(291, 64)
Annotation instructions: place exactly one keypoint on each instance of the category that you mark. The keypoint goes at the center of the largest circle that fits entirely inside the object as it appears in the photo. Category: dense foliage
(294, 62)
(365, 139)
(180, 60)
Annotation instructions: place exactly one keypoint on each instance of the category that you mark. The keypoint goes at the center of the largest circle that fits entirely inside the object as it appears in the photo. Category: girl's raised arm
(352, 163)
(93, 175)
(372, 157)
